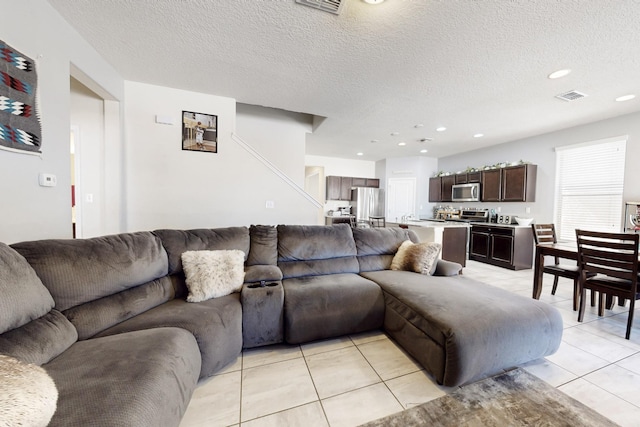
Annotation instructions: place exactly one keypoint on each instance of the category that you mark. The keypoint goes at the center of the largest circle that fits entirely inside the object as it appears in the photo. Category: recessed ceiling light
(402, 144)
(424, 151)
(559, 73)
(373, 1)
(478, 135)
(395, 133)
(625, 98)
(441, 129)
(359, 154)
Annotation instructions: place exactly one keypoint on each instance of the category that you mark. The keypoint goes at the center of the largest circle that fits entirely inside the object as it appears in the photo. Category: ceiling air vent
(332, 6)
(572, 95)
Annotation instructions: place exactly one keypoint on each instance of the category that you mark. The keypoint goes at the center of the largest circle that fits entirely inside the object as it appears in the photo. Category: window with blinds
(589, 183)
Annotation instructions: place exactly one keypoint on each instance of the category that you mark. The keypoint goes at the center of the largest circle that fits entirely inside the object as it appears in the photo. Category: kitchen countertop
(493, 224)
(435, 224)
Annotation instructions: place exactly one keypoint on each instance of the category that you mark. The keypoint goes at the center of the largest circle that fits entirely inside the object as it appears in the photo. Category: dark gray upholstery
(262, 314)
(40, 340)
(257, 273)
(264, 245)
(96, 316)
(311, 250)
(143, 378)
(377, 246)
(24, 298)
(460, 329)
(176, 242)
(317, 307)
(83, 270)
(215, 323)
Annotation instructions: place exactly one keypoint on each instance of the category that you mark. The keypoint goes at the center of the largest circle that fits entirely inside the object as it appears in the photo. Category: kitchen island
(451, 234)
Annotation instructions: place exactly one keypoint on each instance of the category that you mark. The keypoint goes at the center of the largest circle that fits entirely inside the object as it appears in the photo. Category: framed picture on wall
(199, 132)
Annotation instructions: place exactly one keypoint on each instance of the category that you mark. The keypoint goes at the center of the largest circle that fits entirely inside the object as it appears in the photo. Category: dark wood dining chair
(546, 234)
(613, 257)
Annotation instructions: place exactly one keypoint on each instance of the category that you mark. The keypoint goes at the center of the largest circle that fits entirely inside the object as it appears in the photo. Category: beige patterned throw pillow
(417, 257)
(213, 274)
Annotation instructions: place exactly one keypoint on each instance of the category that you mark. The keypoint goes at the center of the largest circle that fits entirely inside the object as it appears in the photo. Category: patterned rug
(514, 398)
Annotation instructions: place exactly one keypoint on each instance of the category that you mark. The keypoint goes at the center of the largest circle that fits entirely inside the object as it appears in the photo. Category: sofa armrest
(256, 273)
(447, 268)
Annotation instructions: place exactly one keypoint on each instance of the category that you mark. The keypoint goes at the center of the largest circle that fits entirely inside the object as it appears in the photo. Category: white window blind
(589, 184)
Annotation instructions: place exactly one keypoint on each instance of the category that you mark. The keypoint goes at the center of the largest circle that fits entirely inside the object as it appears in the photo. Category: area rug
(514, 398)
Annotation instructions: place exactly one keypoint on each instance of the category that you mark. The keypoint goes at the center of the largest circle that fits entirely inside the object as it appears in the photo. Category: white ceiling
(474, 66)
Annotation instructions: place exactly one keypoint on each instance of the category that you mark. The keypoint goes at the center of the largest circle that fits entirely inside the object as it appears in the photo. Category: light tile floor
(352, 380)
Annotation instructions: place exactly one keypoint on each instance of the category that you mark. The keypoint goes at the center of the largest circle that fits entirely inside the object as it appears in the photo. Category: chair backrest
(611, 254)
(544, 233)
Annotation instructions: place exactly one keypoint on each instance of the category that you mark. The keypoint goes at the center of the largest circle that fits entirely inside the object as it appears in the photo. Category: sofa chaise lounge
(108, 320)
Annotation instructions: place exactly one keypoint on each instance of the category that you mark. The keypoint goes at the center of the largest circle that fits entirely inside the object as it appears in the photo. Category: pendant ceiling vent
(331, 6)
(572, 95)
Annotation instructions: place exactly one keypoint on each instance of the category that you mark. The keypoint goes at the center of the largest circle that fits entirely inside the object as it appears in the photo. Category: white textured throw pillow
(28, 395)
(418, 257)
(213, 274)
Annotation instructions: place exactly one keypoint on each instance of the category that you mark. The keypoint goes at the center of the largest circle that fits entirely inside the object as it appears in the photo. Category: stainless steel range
(473, 215)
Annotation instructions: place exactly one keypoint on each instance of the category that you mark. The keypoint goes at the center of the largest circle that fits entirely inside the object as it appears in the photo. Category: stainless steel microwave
(466, 192)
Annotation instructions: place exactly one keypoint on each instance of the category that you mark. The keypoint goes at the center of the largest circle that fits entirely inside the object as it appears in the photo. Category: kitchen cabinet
(461, 178)
(447, 183)
(519, 183)
(504, 246)
(339, 187)
(491, 185)
(435, 189)
(510, 184)
(345, 188)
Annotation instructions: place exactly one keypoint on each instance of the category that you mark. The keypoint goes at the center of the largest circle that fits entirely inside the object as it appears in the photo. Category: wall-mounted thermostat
(47, 180)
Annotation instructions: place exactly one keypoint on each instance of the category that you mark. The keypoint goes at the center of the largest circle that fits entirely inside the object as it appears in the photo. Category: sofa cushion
(178, 241)
(311, 250)
(82, 270)
(318, 307)
(216, 324)
(377, 246)
(95, 316)
(257, 273)
(24, 298)
(213, 274)
(40, 340)
(417, 257)
(264, 245)
(460, 329)
(143, 378)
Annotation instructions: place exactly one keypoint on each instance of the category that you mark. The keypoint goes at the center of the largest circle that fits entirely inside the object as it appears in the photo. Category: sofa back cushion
(312, 250)
(23, 297)
(377, 246)
(40, 340)
(178, 241)
(83, 270)
(264, 245)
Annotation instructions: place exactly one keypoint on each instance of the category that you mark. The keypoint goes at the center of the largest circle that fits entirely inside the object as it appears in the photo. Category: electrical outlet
(498, 209)
(528, 210)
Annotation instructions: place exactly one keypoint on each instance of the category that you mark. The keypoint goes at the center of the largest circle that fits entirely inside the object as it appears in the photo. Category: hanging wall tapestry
(19, 121)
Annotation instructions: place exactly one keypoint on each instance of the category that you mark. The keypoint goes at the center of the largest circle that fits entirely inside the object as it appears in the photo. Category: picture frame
(199, 132)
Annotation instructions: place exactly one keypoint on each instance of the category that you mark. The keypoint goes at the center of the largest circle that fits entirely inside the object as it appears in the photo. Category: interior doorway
(314, 185)
(76, 208)
(401, 198)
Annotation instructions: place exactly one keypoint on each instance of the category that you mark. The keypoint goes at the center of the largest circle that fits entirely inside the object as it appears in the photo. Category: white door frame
(75, 139)
(392, 212)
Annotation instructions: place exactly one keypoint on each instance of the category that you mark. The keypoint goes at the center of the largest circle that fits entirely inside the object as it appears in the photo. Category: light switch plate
(47, 180)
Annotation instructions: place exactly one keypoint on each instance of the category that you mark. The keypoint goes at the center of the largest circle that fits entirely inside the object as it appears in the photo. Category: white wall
(540, 150)
(168, 187)
(29, 211)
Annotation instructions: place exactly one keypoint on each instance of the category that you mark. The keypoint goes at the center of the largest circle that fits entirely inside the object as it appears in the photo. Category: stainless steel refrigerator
(366, 202)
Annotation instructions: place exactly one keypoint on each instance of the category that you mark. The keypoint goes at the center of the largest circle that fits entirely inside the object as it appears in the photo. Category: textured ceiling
(474, 66)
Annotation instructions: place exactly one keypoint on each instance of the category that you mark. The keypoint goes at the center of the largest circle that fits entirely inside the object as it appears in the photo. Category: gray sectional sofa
(107, 317)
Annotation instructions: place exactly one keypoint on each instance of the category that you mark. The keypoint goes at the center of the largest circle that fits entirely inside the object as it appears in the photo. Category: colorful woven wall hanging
(19, 120)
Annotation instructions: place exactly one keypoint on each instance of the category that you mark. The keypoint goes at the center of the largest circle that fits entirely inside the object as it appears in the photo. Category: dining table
(566, 250)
